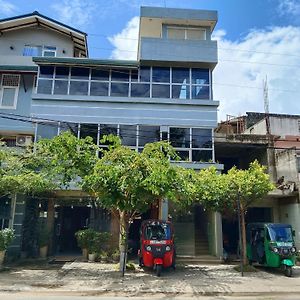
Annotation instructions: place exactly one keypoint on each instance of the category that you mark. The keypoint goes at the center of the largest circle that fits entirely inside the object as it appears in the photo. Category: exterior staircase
(198, 260)
(201, 243)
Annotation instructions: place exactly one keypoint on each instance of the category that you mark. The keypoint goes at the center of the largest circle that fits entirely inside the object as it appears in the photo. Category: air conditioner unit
(23, 140)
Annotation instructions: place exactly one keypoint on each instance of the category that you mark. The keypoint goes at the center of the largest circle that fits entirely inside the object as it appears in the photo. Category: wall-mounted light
(11, 47)
(64, 51)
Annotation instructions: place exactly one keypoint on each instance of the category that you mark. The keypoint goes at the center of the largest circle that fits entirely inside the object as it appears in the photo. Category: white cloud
(75, 13)
(7, 8)
(243, 64)
(238, 78)
(126, 42)
(289, 7)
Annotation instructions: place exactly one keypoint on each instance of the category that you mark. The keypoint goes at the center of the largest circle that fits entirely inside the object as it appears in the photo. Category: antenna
(165, 2)
(266, 106)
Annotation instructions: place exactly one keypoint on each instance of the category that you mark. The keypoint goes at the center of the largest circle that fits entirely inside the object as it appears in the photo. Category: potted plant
(83, 237)
(43, 239)
(6, 237)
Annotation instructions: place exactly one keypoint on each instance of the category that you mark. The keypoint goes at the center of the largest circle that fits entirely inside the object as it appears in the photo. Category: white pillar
(218, 235)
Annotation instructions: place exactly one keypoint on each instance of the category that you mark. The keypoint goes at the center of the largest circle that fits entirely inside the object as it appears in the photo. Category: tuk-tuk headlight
(148, 248)
(275, 250)
(168, 248)
(293, 250)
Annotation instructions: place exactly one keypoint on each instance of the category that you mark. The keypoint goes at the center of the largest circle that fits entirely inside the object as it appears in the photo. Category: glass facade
(145, 82)
(191, 144)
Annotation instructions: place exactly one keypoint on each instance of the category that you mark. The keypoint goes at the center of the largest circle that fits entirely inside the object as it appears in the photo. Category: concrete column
(50, 224)
(163, 209)
(218, 235)
(272, 164)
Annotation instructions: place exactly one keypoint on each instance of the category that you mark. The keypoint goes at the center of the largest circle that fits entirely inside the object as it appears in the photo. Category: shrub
(94, 241)
(6, 237)
(84, 237)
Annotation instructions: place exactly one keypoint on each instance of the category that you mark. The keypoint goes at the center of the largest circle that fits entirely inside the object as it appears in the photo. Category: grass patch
(246, 269)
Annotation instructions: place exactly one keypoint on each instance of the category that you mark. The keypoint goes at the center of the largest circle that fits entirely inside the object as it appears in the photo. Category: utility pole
(266, 106)
(270, 149)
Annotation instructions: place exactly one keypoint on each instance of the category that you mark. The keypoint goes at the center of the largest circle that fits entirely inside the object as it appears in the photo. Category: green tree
(18, 175)
(221, 192)
(127, 182)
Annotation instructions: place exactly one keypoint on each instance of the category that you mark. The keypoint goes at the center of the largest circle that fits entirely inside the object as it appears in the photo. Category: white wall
(290, 213)
(279, 126)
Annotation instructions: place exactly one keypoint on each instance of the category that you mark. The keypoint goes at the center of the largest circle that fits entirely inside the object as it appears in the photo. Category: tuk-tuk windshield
(280, 234)
(157, 232)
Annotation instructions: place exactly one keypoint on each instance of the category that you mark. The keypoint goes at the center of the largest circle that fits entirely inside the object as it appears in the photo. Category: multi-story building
(21, 38)
(274, 140)
(166, 94)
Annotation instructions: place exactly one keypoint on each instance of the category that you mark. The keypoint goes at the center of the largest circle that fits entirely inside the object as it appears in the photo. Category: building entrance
(69, 220)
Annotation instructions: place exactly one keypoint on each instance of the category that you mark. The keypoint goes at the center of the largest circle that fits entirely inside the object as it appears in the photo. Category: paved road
(43, 296)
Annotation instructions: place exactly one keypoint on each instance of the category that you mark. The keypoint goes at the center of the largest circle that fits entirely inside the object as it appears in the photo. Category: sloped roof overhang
(78, 37)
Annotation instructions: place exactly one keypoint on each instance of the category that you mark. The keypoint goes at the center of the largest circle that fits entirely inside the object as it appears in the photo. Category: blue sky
(256, 38)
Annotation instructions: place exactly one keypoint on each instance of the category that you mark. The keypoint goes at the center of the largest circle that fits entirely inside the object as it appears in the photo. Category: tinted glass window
(200, 76)
(45, 86)
(80, 73)
(201, 138)
(180, 137)
(180, 75)
(128, 135)
(160, 74)
(60, 87)
(202, 155)
(142, 75)
(62, 72)
(183, 155)
(200, 92)
(160, 91)
(120, 75)
(119, 89)
(181, 91)
(8, 97)
(140, 90)
(100, 75)
(99, 89)
(148, 134)
(46, 71)
(79, 88)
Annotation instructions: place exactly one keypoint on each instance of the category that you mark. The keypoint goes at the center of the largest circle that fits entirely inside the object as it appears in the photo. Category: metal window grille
(10, 80)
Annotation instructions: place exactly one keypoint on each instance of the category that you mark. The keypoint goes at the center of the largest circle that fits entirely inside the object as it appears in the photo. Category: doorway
(69, 220)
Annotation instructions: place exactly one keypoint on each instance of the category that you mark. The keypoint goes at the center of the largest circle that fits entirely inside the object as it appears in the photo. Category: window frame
(189, 86)
(185, 29)
(16, 88)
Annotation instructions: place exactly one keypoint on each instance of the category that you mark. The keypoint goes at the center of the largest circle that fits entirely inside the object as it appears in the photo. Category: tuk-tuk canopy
(278, 232)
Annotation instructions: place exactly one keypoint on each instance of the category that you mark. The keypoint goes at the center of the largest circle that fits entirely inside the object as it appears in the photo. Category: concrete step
(198, 259)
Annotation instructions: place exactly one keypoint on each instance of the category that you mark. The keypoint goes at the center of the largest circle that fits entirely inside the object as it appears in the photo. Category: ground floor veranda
(197, 232)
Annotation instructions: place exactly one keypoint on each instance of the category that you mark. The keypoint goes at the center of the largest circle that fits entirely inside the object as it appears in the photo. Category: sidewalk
(96, 278)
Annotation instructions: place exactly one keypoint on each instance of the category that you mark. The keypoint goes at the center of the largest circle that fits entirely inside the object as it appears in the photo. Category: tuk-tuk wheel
(158, 270)
(141, 262)
(288, 271)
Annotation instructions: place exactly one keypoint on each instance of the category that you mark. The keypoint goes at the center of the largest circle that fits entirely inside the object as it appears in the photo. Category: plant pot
(85, 253)
(2, 255)
(92, 257)
(43, 251)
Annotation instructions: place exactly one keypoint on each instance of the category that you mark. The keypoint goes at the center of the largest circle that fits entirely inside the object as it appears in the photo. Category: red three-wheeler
(157, 249)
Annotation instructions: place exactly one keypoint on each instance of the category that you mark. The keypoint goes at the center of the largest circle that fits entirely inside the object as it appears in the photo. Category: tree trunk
(123, 241)
(244, 243)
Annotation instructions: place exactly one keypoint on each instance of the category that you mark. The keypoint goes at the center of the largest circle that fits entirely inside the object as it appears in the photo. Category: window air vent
(11, 80)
